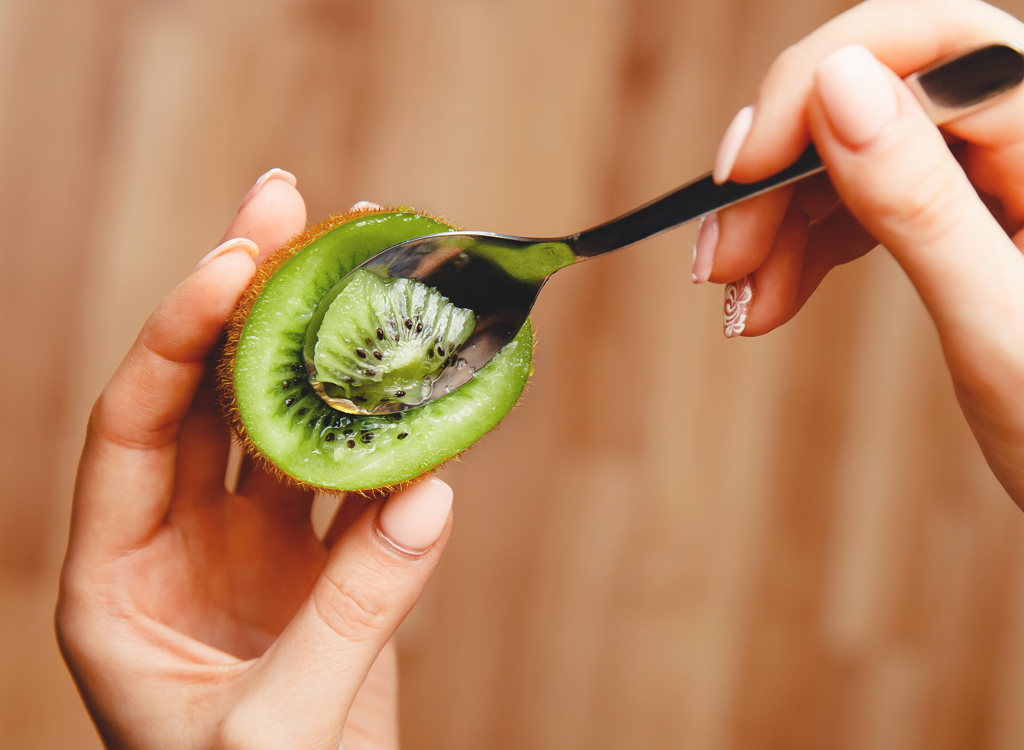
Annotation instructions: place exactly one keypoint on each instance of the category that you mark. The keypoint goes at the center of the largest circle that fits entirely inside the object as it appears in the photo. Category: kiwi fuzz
(295, 435)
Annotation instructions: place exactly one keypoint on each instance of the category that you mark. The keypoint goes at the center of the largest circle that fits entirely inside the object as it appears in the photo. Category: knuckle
(353, 607)
(928, 205)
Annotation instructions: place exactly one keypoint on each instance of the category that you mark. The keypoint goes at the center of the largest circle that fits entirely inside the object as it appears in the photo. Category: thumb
(894, 172)
(299, 693)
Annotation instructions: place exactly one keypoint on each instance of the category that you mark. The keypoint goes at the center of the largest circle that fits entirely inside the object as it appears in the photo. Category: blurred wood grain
(790, 542)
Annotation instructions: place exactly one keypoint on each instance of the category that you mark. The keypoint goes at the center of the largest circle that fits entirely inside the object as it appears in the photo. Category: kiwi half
(278, 417)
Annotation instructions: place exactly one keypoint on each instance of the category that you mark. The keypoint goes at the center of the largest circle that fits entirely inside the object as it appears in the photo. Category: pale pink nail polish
(857, 93)
(365, 206)
(704, 248)
(738, 296)
(412, 520)
(238, 242)
(732, 142)
(273, 174)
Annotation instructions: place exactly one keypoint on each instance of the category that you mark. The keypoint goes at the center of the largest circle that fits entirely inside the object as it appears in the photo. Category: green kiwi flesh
(285, 421)
(387, 341)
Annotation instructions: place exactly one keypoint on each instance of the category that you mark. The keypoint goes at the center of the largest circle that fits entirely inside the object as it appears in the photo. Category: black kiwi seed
(437, 340)
(371, 372)
(397, 338)
(419, 327)
(377, 354)
(380, 335)
(349, 379)
(302, 411)
(399, 394)
(296, 367)
(361, 353)
(440, 351)
(349, 433)
(289, 401)
(392, 324)
(403, 435)
(286, 384)
(329, 437)
(369, 342)
(408, 323)
(366, 437)
(351, 443)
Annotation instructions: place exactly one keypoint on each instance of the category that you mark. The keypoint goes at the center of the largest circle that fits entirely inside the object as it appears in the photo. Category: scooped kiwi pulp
(281, 420)
(387, 341)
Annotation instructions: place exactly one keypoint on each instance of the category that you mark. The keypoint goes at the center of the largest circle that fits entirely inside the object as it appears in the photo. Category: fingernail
(732, 142)
(238, 242)
(738, 296)
(273, 174)
(365, 206)
(704, 248)
(857, 93)
(413, 519)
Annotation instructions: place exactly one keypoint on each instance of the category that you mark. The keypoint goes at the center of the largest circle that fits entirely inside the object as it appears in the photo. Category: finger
(736, 241)
(365, 206)
(801, 258)
(905, 36)
(733, 242)
(125, 478)
(127, 473)
(896, 176)
(299, 693)
(271, 213)
(777, 279)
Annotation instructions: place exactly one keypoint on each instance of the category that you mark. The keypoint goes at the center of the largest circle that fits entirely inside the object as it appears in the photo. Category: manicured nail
(413, 519)
(365, 206)
(857, 93)
(738, 296)
(273, 174)
(238, 242)
(704, 248)
(732, 142)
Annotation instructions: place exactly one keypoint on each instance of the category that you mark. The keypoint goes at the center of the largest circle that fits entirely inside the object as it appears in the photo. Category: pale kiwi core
(387, 341)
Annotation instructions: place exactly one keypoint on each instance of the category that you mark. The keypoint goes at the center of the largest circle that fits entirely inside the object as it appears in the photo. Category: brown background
(790, 542)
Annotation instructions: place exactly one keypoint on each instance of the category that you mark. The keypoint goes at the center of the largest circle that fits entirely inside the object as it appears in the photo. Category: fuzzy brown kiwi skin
(225, 368)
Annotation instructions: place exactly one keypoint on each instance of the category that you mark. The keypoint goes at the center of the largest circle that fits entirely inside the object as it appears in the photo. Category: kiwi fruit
(379, 341)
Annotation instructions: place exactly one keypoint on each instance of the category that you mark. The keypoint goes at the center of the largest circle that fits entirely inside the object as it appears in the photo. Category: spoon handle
(947, 89)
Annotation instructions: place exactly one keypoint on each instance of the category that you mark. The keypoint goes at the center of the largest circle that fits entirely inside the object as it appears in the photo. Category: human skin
(193, 617)
(950, 215)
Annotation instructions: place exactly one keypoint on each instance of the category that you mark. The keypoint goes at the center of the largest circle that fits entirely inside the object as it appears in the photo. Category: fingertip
(413, 519)
(271, 174)
(271, 216)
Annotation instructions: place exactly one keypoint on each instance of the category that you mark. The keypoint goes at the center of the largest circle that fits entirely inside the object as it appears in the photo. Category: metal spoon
(499, 277)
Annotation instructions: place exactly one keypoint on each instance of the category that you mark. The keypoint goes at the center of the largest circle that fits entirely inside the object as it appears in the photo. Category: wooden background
(786, 543)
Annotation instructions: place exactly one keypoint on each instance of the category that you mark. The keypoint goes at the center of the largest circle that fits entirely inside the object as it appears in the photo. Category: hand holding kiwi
(179, 598)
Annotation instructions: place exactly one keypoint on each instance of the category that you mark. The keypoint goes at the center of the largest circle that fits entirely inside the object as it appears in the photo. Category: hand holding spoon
(499, 277)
